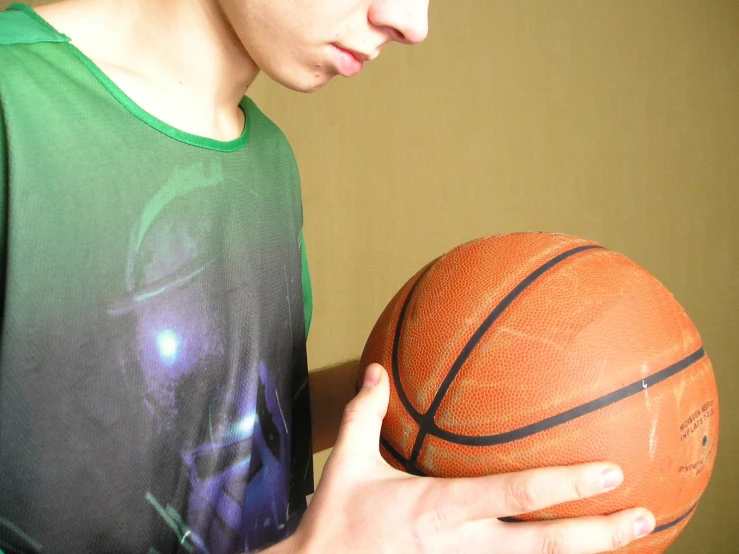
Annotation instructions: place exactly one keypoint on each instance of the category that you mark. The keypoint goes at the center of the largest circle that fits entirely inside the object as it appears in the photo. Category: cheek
(273, 46)
(258, 27)
(291, 49)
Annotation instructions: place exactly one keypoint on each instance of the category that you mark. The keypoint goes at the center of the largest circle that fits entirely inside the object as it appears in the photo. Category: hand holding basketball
(363, 505)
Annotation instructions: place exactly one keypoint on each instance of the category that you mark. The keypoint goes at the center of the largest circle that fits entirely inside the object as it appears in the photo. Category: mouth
(361, 57)
(349, 62)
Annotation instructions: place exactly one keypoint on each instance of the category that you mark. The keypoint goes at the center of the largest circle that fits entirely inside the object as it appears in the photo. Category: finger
(586, 535)
(362, 421)
(513, 494)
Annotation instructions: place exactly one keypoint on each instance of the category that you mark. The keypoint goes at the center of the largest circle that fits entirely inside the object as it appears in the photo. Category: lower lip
(346, 64)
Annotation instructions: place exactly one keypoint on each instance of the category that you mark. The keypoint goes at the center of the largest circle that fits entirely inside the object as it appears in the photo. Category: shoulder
(268, 144)
(19, 25)
(24, 42)
(259, 122)
(263, 132)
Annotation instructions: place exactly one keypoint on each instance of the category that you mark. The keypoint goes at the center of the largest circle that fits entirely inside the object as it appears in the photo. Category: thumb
(360, 428)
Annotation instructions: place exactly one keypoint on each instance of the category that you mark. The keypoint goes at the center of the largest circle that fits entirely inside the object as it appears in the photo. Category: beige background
(614, 120)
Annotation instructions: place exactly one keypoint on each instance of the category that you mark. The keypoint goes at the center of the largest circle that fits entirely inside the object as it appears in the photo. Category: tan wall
(615, 121)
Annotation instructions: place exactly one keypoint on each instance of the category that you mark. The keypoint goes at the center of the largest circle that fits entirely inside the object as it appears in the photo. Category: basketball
(531, 350)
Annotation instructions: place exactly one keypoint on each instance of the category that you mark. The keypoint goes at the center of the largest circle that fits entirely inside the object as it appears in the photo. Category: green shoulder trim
(19, 24)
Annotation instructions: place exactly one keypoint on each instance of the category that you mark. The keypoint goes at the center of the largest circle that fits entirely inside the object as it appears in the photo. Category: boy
(153, 376)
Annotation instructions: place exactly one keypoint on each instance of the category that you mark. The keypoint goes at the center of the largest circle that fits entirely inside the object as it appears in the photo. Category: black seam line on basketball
(657, 529)
(569, 415)
(408, 466)
(492, 317)
(426, 421)
(665, 526)
(391, 450)
(422, 432)
(396, 344)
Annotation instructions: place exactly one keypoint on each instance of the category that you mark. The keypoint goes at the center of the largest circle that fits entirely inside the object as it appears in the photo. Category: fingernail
(642, 527)
(371, 376)
(611, 478)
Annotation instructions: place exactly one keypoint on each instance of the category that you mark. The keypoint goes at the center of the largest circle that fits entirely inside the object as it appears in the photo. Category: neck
(186, 48)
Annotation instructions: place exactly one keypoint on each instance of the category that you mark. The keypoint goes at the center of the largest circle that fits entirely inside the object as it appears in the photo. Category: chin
(304, 82)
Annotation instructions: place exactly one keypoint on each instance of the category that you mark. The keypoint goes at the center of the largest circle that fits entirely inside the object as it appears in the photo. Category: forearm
(331, 389)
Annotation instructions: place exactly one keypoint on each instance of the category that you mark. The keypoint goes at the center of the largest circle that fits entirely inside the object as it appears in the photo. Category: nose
(408, 20)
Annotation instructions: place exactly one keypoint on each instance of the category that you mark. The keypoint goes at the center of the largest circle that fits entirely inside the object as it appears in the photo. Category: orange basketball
(536, 349)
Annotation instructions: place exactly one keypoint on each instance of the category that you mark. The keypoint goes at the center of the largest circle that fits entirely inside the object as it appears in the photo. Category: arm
(331, 389)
